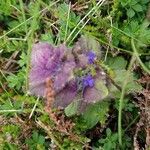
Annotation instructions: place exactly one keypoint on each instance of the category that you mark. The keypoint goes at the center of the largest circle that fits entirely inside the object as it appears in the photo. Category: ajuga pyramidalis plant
(74, 72)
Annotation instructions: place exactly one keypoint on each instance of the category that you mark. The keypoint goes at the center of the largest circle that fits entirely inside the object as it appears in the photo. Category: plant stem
(121, 99)
(138, 58)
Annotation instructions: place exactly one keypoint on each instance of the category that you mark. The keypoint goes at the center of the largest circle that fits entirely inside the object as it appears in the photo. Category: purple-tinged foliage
(58, 63)
(46, 61)
(64, 75)
(91, 95)
(83, 60)
(67, 95)
(98, 91)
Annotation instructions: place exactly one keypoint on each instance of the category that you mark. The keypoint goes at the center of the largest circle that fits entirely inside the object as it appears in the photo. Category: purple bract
(47, 62)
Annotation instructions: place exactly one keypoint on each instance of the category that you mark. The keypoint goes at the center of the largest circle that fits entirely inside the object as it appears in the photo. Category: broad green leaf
(37, 141)
(96, 113)
(124, 3)
(134, 26)
(130, 13)
(144, 1)
(117, 63)
(131, 86)
(108, 132)
(47, 37)
(72, 108)
(99, 84)
(137, 8)
(133, 2)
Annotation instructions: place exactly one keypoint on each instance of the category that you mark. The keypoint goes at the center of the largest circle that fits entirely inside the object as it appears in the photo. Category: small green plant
(134, 6)
(12, 130)
(110, 142)
(16, 81)
(37, 141)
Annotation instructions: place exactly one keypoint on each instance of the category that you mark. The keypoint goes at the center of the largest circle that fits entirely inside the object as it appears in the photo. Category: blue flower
(88, 81)
(91, 57)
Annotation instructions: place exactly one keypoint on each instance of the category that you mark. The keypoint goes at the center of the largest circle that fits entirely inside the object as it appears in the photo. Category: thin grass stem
(99, 3)
(34, 107)
(67, 23)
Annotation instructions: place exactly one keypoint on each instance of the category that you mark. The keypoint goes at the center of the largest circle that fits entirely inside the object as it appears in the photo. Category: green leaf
(144, 1)
(6, 6)
(134, 26)
(16, 81)
(124, 3)
(126, 106)
(100, 85)
(132, 85)
(130, 13)
(9, 146)
(36, 142)
(92, 44)
(47, 38)
(116, 62)
(72, 108)
(137, 8)
(110, 141)
(133, 2)
(144, 33)
(23, 60)
(13, 130)
(96, 113)
(108, 132)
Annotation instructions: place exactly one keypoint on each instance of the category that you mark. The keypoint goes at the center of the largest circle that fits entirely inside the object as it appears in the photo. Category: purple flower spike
(91, 57)
(88, 81)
